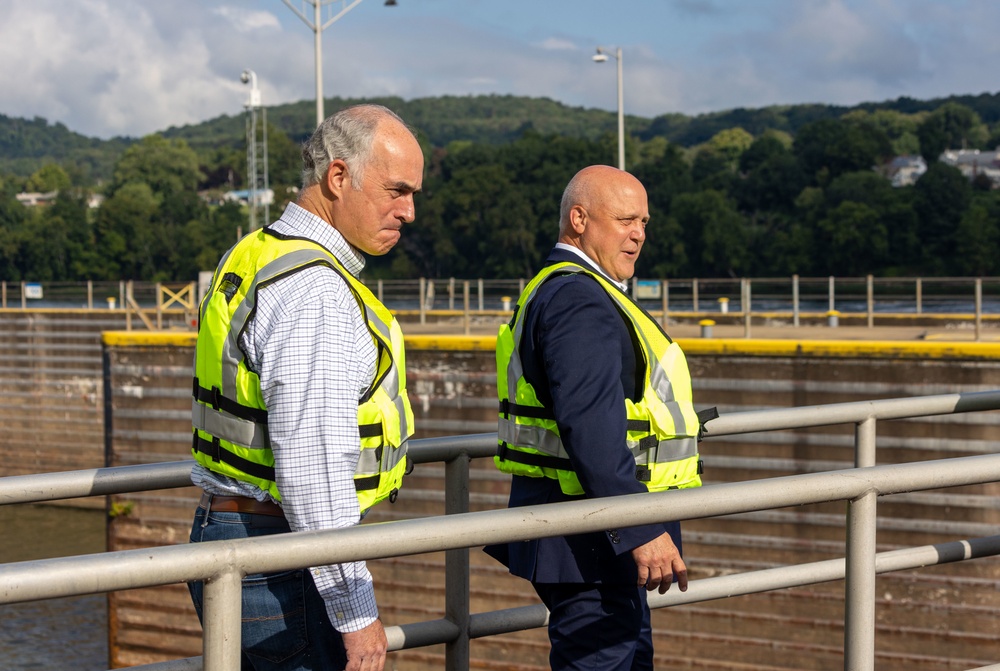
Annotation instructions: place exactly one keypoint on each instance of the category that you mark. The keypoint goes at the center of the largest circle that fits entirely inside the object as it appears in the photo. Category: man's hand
(658, 562)
(366, 648)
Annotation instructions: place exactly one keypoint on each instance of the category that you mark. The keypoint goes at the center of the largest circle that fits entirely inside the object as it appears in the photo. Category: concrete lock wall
(939, 618)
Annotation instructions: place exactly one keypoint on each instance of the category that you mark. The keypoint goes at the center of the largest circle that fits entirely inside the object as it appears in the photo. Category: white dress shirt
(312, 350)
(591, 264)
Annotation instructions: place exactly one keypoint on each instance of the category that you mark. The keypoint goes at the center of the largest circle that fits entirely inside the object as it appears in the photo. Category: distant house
(972, 163)
(905, 170)
(263, 196)
(34, 198)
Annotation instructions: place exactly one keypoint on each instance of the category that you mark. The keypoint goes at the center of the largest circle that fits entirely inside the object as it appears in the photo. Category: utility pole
(258, 189)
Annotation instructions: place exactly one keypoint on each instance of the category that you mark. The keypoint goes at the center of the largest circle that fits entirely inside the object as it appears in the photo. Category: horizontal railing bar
(511, 620)
(129, 569)
(483, 445)
(171, 475)
(94, 482)
(857, 411)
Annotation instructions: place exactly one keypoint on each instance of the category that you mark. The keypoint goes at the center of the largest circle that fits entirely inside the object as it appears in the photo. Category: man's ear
(338, 178)
(578, 219)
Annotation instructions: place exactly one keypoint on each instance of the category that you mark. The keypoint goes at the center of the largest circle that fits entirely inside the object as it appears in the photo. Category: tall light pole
(258, 189)
(317, 25)
(600, 57)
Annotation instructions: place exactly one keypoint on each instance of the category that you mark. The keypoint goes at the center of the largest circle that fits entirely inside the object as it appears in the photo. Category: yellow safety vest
(229, 414)
(662, 427)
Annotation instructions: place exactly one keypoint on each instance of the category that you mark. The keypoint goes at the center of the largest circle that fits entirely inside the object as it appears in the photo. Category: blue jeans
(285, 625)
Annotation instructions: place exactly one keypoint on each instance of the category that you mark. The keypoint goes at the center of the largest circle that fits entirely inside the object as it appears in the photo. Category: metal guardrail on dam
(224, 563)
(793, 297)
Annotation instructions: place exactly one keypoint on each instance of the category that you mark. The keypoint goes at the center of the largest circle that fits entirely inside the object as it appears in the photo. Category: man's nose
(407, 212)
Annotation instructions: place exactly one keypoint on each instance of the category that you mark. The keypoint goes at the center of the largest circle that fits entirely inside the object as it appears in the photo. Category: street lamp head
(599, 57)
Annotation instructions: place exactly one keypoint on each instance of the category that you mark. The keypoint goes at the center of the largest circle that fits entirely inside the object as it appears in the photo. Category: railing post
(830, 292)
(465, 306)
(451, 293)
(666, 301)
(920, 295)
(746, 307)
(456, 564)
(378, 287)
(859, 583)
(3, 294)
(795, 301)
(870, 290)
(694, 295)
(90, 294)
(24, 296)
(221, 622)
(159, 306)
(481, 293)
(420, 302)
(979, 306)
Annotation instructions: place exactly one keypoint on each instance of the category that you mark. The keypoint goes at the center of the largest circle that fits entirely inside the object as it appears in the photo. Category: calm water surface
(59, 633)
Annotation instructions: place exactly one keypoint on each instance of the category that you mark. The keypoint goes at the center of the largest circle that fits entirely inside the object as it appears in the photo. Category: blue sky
(132, 67)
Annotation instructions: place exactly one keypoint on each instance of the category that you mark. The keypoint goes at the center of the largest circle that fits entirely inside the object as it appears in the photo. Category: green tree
(977, 239)
(12, 219)
(731, 143)
(665, 178)
(771, 177)
(851, 240)
(712, 169)
(900, 128)
(124, 235)
(950, 126)
(714, 233)
(941, 198)
(895, 211)
(50, 177)
(832, 147)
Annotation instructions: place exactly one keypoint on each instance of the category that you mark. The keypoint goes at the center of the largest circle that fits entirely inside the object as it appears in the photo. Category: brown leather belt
(240, 504)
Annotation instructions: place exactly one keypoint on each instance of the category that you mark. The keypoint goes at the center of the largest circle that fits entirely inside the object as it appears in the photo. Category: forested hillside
(796, 189)
(26, 145)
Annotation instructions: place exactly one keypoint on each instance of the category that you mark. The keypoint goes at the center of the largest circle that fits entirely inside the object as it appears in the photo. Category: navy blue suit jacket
(579, 355)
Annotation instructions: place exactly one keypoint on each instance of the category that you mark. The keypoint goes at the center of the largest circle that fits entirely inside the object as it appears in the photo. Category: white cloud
(558, 44)
(246, 21)
(106, 67)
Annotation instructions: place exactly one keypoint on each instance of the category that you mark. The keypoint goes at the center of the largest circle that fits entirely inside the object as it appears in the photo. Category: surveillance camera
(245, 76)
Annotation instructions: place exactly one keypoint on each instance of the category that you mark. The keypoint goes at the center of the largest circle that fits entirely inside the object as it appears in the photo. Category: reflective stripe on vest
(662, 426)
(228, 414)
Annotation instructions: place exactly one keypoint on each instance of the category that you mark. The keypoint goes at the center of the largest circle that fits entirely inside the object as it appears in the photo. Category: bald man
(576, 356)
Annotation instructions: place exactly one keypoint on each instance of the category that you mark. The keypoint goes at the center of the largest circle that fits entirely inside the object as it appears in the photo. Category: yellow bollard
(706, 327)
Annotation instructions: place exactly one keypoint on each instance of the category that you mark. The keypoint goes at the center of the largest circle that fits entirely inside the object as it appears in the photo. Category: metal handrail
(222, 564)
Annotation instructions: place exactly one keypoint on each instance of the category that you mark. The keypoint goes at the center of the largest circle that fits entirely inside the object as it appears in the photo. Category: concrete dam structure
(78, 392)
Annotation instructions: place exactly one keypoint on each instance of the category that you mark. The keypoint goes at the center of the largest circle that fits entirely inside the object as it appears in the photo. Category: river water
(58, 633)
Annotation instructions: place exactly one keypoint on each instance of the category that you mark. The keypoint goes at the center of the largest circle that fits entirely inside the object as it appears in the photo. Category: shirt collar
(590, 263)
(298, 222)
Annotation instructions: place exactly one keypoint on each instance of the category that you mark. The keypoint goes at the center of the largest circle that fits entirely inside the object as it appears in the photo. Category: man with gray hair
(300, 414)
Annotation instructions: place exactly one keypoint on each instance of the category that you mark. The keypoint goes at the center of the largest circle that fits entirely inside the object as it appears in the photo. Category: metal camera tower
(258, 189)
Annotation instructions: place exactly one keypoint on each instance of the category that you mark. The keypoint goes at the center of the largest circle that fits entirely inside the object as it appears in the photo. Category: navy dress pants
(597, 627)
